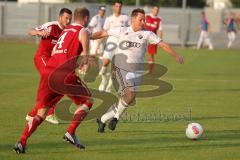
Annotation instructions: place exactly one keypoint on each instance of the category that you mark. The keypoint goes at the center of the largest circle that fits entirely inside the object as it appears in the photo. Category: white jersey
(113, 21)
(132, 46)
(96, 23)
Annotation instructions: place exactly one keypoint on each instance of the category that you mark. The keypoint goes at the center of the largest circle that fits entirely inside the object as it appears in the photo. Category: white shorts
(96, 47)
(125, 79)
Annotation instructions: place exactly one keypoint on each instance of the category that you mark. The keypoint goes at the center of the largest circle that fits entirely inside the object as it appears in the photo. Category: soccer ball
(194, 131)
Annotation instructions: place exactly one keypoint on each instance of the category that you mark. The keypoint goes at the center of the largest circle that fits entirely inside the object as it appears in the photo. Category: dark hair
(136, 11)
(155, 5)
(65, 10)
(80, 13)
(117, 1)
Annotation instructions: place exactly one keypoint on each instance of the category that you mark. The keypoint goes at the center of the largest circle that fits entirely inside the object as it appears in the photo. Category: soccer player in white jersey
(128, 61)
(116, 20)
(95, 25)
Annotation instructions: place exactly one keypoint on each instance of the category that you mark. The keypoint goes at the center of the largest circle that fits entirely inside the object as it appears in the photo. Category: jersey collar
(59, 25)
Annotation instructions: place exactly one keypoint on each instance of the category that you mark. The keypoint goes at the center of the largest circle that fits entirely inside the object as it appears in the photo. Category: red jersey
(69, 42)
(46, 44)
(153, 23)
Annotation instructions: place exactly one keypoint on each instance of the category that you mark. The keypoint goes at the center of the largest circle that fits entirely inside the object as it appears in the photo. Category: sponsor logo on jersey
(129, 44)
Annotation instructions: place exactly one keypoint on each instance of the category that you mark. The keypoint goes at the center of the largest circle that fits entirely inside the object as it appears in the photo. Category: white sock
(103, 83)
(103, 70)
(110, 83)
(108, 115)
(120, 108)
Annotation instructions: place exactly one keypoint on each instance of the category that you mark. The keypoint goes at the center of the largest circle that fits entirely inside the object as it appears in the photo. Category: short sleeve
(106, 25)
(114, 31)
(153, 38)
(45, 26)
(93, 22)
(41, 27)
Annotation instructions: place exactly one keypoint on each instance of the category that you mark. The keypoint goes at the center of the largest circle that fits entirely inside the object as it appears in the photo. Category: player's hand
(83, 70)
(179, 59)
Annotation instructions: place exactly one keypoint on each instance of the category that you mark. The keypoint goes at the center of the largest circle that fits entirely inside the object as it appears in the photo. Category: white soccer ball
(194, 131)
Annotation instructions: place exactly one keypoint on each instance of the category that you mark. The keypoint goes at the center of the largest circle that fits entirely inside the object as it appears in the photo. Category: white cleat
(52, 119)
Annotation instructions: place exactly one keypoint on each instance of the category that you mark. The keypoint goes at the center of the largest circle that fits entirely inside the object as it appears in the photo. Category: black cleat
(73, 140)
(19, 148)
(112, 124)
(101, 126)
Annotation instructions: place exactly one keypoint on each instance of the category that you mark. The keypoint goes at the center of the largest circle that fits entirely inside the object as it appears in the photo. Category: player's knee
(42, 112)
(129, 97)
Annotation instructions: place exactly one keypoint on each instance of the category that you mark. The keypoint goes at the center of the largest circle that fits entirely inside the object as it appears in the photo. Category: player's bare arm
(84, 38)
(41, 33)
(99, 35)
(171, 52)
(85, 42)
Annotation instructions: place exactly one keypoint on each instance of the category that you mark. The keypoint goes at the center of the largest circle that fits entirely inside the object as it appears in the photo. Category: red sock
(51, 111)
(33, 111)
(31, 126)
(78, 118)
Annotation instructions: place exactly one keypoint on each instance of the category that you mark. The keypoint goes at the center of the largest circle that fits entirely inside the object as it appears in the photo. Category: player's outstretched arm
(41, 33)
(99, 35)
(171, 52)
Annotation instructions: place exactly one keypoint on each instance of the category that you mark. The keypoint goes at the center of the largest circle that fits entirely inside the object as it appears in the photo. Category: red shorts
(51, 90)
(40, 62)
(152, 49)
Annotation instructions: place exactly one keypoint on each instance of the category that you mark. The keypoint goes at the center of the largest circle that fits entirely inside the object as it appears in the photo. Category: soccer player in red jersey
(56, 80)
(49, 33)
(153, 23)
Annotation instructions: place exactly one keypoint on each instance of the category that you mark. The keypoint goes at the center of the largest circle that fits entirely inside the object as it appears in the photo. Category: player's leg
(103, 74)
(116, 110)
(152, 50)
(84, 104)
(231, 37)
(124, 102)
(30, 127)
(209, 42)
(108, 54)
(200, 40)
(40, 64)
(45, 97)
(110, 84)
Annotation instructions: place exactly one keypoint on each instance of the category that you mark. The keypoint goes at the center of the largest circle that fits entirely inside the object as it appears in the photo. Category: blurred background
(180, 17)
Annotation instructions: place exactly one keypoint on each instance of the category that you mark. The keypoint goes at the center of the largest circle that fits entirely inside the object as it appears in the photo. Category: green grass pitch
(208, 84)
